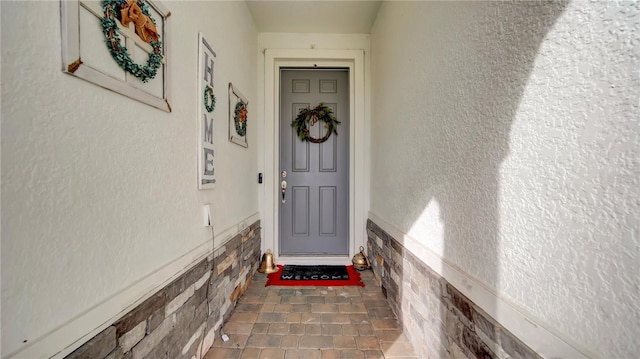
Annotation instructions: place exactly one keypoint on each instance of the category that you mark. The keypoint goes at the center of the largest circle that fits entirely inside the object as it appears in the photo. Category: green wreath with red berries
(240, 118)
(209, 99)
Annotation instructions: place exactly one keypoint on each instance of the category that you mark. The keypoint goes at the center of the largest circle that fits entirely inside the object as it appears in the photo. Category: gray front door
(314, 218)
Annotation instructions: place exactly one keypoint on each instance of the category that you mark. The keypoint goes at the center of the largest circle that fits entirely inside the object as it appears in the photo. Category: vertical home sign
(206, 108)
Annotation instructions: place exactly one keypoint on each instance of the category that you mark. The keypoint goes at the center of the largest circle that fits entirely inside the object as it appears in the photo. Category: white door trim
(275, 59)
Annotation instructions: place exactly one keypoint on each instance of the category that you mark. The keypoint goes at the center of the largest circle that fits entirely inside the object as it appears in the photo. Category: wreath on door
(312, 115)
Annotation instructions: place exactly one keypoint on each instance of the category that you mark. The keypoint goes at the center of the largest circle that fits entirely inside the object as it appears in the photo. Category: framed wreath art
(310, 116)
(136, 12)
(130, 29)
(237, 117)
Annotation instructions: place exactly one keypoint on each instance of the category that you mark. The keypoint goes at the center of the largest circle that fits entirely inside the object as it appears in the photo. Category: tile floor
(312, 323)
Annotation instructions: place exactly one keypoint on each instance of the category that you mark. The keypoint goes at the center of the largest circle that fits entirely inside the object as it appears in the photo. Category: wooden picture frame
(206, 109)
(238, 107)
(85, 54)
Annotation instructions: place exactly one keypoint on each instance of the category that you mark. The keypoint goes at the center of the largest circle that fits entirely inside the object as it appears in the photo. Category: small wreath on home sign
(113, 8)
(240, 118)
(209, 99)
(311, 116)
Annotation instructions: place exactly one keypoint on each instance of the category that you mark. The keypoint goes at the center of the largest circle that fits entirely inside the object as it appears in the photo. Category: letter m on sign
(208, 129)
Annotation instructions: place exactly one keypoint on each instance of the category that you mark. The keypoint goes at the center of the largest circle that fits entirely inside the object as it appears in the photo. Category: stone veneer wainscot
(439, 321)
(183, 319)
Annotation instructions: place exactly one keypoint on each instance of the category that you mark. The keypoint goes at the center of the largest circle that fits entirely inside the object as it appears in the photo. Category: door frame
(353, 60)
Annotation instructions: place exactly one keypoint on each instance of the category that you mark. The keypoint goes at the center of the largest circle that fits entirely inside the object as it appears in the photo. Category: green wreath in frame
(312, 115)
(145, 28)
(240, 118)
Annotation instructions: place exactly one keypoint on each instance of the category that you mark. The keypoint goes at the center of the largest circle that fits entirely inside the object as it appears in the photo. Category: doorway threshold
(313, 259)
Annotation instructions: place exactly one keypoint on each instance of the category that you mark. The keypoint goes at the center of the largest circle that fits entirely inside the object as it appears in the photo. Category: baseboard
(532, 331)
(68, 337)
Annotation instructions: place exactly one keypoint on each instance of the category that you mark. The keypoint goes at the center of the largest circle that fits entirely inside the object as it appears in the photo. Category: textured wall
(505, 138)
(182, 320)
(439, 321)
(99, 190)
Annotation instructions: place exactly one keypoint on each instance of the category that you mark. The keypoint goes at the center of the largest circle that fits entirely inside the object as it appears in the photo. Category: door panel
(328, 149)
(314, 218)
(300, 211)
(328, 211)
(300, 149)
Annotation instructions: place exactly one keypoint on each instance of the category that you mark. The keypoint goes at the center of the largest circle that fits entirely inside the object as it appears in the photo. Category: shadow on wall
(463, 68)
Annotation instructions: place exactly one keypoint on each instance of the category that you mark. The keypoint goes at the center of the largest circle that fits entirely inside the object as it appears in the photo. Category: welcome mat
(330, 276)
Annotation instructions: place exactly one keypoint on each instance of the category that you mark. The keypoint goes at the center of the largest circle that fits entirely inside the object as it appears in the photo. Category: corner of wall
(445, 311)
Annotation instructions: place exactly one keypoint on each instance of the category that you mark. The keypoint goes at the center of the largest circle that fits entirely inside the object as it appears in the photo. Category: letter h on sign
(208, 69)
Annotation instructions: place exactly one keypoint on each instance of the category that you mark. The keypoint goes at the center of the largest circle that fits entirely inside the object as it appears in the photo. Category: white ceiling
(317, 16)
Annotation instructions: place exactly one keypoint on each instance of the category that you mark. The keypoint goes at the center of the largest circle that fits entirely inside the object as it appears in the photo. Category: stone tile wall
(183, 319)
(439, 321)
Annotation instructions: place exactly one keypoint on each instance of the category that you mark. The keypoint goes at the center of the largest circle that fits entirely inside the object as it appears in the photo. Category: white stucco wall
(99, 191)
(505, 140)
